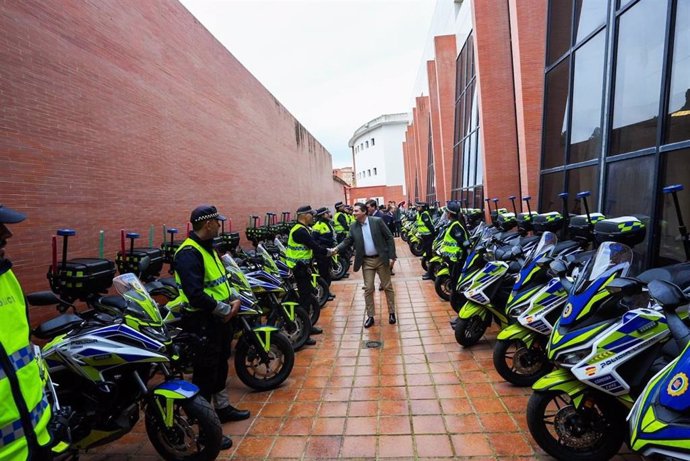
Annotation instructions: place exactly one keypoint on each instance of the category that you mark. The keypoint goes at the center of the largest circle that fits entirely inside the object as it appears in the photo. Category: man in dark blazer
(374, 253)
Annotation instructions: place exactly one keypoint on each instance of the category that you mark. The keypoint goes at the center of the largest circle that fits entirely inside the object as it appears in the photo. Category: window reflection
(555, 123)
(621, 202)
(675, 170)
(588, 84)
(582, 179)
(551, 186)
(560, 15)
(638, 76)
(589, 14)
(678, 118)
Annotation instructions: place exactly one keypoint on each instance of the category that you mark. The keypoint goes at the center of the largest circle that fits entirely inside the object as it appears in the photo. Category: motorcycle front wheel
(297, 331)
(256, 373)
(417, 249)
(321, 291)
(469, 331)
(518, 364)
(442, 284)
(195, 435)
(339, 268)
(592, 433)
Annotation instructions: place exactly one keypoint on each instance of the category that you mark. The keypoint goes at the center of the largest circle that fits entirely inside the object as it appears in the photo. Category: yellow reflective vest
(295, 252)
(216, 283)
(24, 408)
(421, 227)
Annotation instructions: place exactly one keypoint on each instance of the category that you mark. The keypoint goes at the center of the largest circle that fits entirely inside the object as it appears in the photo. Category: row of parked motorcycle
(597, 344)
(108, 356)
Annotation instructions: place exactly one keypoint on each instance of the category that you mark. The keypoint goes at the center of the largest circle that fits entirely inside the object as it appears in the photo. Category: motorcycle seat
(170, 281)
(678, 274)
(115, 301)
(527, 240)
(565, 246)
(57, 326)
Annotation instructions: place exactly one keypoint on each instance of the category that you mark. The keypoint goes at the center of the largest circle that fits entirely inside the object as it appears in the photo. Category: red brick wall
(421, 130)
(446, 53)
(129, 114)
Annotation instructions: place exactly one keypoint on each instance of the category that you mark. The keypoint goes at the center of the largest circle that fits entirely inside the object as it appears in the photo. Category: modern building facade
(553, 96)
(377, 158)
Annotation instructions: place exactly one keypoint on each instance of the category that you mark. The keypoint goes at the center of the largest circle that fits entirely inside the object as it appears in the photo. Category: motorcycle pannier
(626, 229)
(80, 277)
(131, 263)
(551, 222)
(506, 221)
(169, 250)
(525, 220)
(228, 241)
(579, 225)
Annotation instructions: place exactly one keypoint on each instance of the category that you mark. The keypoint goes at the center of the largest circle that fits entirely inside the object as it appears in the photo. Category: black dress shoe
(453, 322)
(231, 413)
(380, 287)
(426, 277)
(330, 297)
(310, 342)
(225, 443)
(368, 322)
(391, 319)
(315, 331)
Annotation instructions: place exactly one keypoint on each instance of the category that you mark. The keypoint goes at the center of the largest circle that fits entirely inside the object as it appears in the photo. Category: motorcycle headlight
(517, 311)
(160, 334)
(574, 357)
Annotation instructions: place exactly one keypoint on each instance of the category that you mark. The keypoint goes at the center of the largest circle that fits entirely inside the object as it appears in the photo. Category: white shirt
(369, 247)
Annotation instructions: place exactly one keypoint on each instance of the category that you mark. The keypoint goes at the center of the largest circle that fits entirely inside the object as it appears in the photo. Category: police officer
(425, 227)
(301, 248)
(454, 240)
(208, 304)
(24, 409)
(324, 234)
(341, 224)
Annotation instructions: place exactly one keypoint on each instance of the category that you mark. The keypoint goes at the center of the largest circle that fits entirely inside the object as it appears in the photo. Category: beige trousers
(371, 267)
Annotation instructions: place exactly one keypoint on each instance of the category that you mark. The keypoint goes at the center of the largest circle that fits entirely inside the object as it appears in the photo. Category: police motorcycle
(277, 298)
(536, 301)
(435, 263)
(104, 368)
(658, 422)
(608, 342)
(442, 282)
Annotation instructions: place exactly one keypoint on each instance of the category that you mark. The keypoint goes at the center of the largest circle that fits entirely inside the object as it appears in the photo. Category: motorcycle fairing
(581, 304)
(516, 331)
(491, 272)
(549, 298)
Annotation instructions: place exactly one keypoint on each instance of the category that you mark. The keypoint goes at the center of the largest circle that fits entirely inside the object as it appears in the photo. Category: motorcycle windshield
(139, 302)
(611, 257)
(235, 274)
(279, 245)
(545, 247)
(269, 263)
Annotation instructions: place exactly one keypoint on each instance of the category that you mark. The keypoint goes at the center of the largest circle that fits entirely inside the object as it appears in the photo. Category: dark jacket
(380, 233)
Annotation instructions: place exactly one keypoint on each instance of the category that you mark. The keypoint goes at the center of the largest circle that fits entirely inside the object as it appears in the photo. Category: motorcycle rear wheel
(264, 376)
(469, 331)
(182, 442)
(442, 284)
(298, 332)
(572, 434)
(518, 364)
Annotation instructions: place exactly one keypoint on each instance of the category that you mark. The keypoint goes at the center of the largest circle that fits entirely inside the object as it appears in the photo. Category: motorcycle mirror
(544, 261)
(558, 267)
(627, 286)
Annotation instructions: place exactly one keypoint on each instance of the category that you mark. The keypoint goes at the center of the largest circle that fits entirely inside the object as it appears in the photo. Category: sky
(334, 64)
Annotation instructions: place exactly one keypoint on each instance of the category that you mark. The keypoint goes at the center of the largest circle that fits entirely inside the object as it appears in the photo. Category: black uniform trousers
(212, 353)
(305, 291)
(427, 244)
(323, 263)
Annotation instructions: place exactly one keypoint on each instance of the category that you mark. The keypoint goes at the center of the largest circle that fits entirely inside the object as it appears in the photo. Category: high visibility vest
(216, 283)
(421, 227)
(339, 229)
(324, 228)
(295, 252)
(449, 246)
(350, 219)
(24, 408)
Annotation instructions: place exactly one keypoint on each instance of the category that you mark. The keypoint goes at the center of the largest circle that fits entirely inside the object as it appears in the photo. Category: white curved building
(377, 151)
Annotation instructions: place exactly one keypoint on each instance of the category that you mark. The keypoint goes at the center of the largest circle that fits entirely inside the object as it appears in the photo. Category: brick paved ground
(419, 397)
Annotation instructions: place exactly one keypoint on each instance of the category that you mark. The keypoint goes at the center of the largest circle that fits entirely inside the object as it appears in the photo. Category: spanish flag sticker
(591, 371)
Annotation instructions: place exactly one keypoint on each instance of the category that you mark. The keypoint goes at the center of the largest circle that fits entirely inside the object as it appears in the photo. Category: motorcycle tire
(425, 264)
(171, 443)
(404, 237)
(457, 300)
(297, 332)
(339, 268)
(518, 364)
(417, 249)
(433, 268)
(264, 376)
(468, 332)
(443, 287)
(321, 291)
(314, 311)
(551, 418)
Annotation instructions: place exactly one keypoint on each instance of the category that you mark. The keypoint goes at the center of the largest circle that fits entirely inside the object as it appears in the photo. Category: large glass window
(579, 180)
(589, 14)
(620, 199)
(678, 117)
(588, 85)
(555, 124)
(639, 62)
(560, 29)
(675, 170)
(551, 186)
